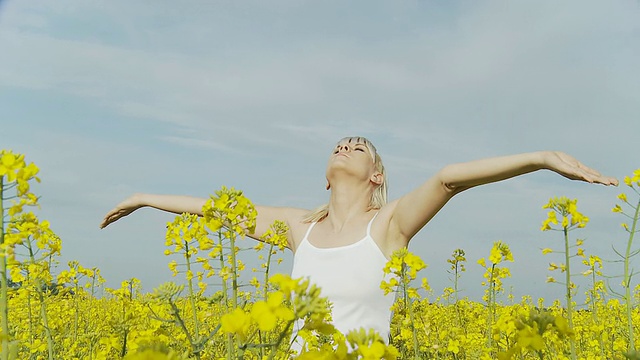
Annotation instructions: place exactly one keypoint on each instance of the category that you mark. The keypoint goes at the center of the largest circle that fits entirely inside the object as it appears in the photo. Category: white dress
(350, 277)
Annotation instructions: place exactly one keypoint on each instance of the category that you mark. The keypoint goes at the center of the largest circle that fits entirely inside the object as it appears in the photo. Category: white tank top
(350, 277)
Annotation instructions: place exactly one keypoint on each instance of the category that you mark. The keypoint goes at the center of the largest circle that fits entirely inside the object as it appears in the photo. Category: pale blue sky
(115, 97)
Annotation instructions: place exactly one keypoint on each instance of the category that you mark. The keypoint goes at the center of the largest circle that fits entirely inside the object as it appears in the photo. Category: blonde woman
(344, 245)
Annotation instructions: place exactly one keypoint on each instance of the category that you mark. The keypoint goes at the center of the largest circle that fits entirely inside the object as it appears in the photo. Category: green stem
(92, 300)
(594, 308)
(455, 283)
(225, 296)
(4, 293)
(234, 281)
(280, 338)
(176, 314)
(77, 314)
(192, 299)
(408, 304)
(30, 316)
(123, 352)
(413, 329)
(491, 304)
(45, 323)
(234, 270)
(266, 290)
(266, 272)
(43, 308)
(568, 286)
(627, 279)
(93, 284)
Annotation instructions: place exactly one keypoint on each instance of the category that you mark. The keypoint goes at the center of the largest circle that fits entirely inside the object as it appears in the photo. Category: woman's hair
(379, 196)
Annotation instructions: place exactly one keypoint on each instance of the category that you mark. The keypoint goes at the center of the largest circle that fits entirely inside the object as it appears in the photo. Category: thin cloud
(197, 143)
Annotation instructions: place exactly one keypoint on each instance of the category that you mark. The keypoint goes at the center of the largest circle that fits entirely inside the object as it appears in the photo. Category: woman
(344, 245)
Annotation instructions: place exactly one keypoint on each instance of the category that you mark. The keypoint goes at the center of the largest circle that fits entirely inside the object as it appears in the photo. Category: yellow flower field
(64, 311)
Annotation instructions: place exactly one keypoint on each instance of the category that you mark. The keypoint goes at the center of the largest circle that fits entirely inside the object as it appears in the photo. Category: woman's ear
(328, 185)
(377, 178)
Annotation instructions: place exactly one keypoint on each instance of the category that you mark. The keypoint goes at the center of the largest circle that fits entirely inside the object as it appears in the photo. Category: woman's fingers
(594, 176)
(576, 170)
(121, 210)
(113, 216)
(108, 219)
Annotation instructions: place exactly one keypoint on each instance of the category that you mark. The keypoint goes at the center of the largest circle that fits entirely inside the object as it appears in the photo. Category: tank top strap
(371, 222)
(306, 235)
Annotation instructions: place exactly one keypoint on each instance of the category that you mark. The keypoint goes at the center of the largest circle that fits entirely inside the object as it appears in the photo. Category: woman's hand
(569, 167)
(129, 205)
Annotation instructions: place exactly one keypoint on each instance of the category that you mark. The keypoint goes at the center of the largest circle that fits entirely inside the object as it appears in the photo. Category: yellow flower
(495, 256)
(453, 346)
(254, 282)
(425, 284)
(153, 354)
(551, 219)
(566, 208)
(205, 243)
(389, 286)
(500, 252)
(10, 164)
(285, 283)
(530, 338)
(595, 260)
(266, 314)
(262, 314)
(627, 181)
(173, 266)
(563, 326)
(373, 352)
(237, 322)
(563, 267)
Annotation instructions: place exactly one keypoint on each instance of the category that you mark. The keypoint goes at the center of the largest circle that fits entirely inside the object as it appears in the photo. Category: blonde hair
(379, 196)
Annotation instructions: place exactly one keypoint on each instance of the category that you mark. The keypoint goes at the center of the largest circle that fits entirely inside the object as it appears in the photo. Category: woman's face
(352, 155)
(353, 147)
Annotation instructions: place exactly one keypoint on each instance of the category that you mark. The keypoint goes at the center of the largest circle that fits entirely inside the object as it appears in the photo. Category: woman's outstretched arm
(415, 209)
(176, 204)
(179, 204)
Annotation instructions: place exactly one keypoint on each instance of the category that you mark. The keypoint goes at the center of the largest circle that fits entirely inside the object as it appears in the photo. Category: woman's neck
(347, 203)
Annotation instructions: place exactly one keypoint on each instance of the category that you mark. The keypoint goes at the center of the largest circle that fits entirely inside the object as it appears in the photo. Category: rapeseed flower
(236, 322)
(267, 313)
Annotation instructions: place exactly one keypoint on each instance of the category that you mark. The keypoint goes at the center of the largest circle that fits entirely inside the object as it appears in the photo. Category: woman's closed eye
(337, 150)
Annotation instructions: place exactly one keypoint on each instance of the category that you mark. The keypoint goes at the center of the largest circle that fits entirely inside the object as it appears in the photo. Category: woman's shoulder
(293, 217)
(297, 219)
(386, 211)
(384, 231)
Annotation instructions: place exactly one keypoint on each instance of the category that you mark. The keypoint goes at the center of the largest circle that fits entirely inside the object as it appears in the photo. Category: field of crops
(64, 311)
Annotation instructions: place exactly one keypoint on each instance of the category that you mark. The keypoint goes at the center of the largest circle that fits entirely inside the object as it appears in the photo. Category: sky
(110, 98)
